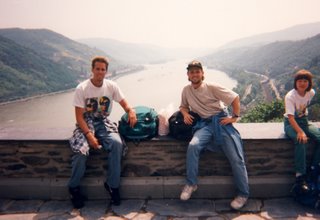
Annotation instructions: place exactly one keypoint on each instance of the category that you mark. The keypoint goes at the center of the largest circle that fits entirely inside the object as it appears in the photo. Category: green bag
(145, 128)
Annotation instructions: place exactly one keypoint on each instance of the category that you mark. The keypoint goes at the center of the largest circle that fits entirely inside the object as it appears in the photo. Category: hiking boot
(114, 194)
(76, 197)
(187, 192)
(302, 184)
(238, 202)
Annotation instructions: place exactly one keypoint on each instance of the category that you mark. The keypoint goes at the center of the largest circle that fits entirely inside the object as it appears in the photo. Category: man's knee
(193, 147)
(78, 163)
(117, 144)
(79, 158)
(235, 156)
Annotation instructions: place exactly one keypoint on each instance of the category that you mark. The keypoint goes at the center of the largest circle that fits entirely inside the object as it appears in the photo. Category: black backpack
(178, 129)
(308, 194)
(145, 128)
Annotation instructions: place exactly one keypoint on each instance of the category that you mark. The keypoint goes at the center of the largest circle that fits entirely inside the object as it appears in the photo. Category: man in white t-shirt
(93, 102)
(213, 130)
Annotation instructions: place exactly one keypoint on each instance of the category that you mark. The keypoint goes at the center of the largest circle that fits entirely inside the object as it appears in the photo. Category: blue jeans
(198, 143)
(112, 143)
(300, 151)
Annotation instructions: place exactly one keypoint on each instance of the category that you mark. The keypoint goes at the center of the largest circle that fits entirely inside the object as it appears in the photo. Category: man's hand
(132, 118)
(187, 118)
(93, 141)
(228, 120)
(302, 137)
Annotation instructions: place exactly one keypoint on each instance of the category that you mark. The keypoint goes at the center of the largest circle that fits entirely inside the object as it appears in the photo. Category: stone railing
(45, 155)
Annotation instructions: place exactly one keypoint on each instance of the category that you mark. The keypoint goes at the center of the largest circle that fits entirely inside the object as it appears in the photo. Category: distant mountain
(294, 33)
(275, 58)
(38, 61)
(58, 48)
(142, 53)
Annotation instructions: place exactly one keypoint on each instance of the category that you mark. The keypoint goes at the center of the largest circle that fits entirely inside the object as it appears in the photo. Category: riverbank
(36, 97)
(125, 72)
(112, 77)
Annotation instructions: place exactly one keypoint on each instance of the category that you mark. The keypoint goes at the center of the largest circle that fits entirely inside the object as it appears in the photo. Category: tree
(265, 112)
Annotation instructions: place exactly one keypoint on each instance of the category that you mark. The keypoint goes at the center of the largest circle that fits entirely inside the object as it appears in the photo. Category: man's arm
(92, 140)
(289, 103)
(187, 118)
(236, 107)
(132, 117)
(235, 114)
(301, 136)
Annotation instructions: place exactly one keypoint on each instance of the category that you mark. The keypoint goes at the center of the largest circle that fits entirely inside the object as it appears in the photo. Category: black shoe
(114, 194)
(302, 184)
(76, 198)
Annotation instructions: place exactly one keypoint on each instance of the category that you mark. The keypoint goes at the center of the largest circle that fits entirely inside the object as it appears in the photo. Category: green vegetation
(265, 112)
(314, 109)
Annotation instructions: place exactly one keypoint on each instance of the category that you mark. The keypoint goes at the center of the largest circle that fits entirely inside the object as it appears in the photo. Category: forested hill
(23, 72)
(34, 62)
(58, 48)
(277, 60)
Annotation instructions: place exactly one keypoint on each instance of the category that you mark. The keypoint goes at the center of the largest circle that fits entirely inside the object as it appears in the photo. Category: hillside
(58, 48)
(297, 32)
(275, 59)
(39, 61)
(23, 72)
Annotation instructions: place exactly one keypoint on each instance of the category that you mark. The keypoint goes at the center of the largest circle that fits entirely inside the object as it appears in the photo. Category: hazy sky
(171, 23)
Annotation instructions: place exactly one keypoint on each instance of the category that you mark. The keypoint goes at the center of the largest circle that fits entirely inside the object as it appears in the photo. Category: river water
(157, 86)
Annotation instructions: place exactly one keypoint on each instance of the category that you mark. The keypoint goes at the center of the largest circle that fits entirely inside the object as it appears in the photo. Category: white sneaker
(187, 191)
(238, 202)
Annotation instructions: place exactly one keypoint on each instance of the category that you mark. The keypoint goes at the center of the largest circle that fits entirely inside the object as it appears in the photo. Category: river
(157, 86)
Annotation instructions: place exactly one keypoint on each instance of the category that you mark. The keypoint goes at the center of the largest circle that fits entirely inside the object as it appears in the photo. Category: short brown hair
(100, 60)
(303, 74)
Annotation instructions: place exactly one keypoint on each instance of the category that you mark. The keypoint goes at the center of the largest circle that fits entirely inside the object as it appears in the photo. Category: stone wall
(160, 157)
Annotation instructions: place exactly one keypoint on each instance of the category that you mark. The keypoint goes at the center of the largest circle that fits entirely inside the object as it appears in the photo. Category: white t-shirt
(207, 100)
(297, 105)
(97, 100)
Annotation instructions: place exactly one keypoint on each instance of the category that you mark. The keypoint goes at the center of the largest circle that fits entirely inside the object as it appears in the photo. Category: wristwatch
(235, 116)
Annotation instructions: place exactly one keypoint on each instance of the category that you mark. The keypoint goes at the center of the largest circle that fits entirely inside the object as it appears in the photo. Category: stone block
(24, 206)
(178, 208)
(273, 208)
(142, 187)
(25, 188)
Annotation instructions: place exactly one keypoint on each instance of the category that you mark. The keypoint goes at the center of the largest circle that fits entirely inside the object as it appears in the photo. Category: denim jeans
(198, 143)
(300, 151)
(110, 142)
